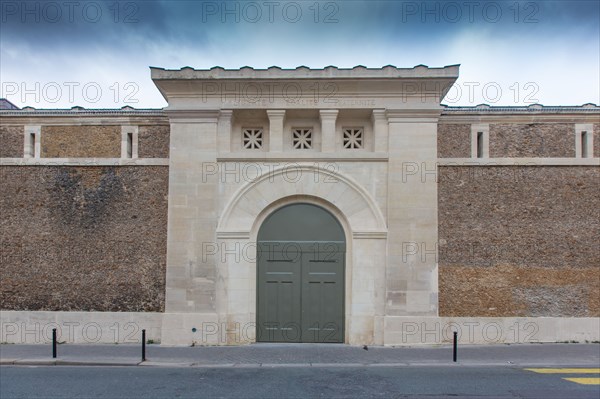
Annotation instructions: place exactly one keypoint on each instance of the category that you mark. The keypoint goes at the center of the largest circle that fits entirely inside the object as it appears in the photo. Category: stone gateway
(301, 205)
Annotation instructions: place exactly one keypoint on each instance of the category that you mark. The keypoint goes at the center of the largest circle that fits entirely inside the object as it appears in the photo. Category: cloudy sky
(97, 54)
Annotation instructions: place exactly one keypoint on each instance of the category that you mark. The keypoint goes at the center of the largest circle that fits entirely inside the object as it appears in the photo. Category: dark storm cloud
(427, 20)
(115, 41)
(98, 23)
(134, 24)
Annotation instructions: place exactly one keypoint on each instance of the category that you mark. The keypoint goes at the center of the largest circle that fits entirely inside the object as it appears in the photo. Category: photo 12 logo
(270, 11)
(76, 93)
(468, 172)
(247, 253)
(70, 332)
(250, 172)
(470, 12)
(73, 12)
(470, 332)
(231, 93)
(492, 93)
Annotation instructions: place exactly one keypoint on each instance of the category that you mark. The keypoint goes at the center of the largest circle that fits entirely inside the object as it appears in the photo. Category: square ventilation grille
(252, 138)
(302, 138)
(353, 137)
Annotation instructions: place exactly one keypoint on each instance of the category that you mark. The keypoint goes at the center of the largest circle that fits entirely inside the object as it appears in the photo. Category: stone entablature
(328, 88)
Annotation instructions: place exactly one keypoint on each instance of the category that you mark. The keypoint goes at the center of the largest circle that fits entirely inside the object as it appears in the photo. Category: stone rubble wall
(519, 241)
(153, 141)
(513, 241)
(83, 238)
(81, 142)
(555, 140)
(454, 140)
(11, 141)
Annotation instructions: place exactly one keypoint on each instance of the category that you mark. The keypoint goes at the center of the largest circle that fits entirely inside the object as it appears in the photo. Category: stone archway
(365, 233)
(353, 201)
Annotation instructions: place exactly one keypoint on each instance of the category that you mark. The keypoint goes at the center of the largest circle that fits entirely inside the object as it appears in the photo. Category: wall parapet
(519, 162)
(84, 162)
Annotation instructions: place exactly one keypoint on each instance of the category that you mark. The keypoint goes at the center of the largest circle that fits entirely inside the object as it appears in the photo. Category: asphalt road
(287, 382)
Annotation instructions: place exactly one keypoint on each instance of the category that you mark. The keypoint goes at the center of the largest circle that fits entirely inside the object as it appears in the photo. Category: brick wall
(83, 238)
(519, 241)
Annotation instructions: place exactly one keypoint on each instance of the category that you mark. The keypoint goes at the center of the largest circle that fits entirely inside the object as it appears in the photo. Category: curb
(95, 363)
(62, 362)
(150, 363)
(147, 363)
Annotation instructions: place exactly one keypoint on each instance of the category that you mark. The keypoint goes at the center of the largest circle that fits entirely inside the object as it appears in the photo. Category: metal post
(143, 345)
(455, 346)
(54, 343)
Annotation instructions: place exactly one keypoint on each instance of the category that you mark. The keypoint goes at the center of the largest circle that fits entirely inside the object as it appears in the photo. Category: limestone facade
(414, 184)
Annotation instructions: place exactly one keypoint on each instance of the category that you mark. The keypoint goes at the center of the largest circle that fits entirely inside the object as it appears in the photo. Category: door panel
(323, 296)
(279, 296)
(300, 293)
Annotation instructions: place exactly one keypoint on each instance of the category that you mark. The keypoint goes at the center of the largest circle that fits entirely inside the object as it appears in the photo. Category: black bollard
(54, 343)
(143, 345)
(455, 346)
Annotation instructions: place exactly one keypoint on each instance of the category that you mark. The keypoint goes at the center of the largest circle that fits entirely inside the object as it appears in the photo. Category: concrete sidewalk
(301, 355)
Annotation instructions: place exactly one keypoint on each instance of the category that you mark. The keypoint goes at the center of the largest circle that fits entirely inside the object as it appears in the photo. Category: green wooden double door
(300, 276)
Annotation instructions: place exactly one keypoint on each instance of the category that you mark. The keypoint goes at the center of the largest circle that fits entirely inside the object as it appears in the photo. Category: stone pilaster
(224, 130)
(328, 118)
(380, 130)
(193, 190)
(276, 117)
(412, 283)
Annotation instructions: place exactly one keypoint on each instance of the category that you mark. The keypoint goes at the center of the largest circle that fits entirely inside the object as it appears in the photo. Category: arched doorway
(300, 276)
